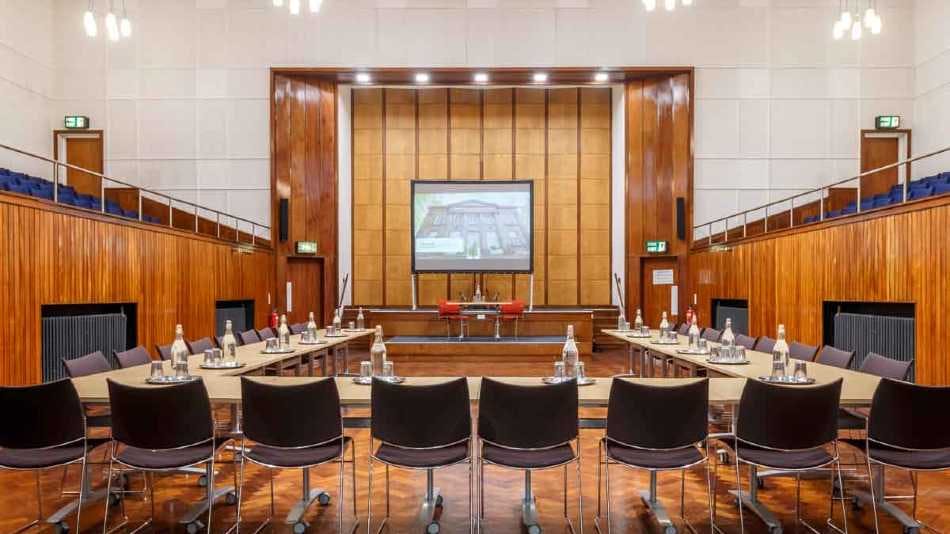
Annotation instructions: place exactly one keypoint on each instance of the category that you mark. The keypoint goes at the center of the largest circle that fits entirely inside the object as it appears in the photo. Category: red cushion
(513, 308)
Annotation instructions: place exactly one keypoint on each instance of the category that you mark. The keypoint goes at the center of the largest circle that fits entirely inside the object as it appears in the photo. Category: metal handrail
(102, 209)
(819, 190)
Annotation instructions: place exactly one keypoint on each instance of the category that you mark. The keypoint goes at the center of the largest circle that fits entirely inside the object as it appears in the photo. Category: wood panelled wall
(51, 255)
(560, 138)
(659, 131)
(304, 170)
(786, 279)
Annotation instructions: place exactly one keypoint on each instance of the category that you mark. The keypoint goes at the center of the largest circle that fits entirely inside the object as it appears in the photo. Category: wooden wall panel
(787, 278)
(492, 134)
(51, 257)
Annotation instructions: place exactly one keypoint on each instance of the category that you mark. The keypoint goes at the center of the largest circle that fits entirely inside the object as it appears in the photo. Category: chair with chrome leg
(200, 345)
(284, 440)
(835, 357)
(132, 357)
(249, 336)
(452, 311)
(43, 427)
(743, 340)
(711, 334)
(266, 333)
(164, 351)
(529, 428)
(641, 438)
(163, 430)
(765, 344)
(790, 429)
(908, 429)
(422, 428)
(801, 351)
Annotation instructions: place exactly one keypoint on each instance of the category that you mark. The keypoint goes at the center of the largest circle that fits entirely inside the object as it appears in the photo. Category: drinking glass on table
(801, 370)
(388, 370)
(580, 371)
(559, 370)
(156, 369)
(778, 367)
(740, 353)
(209, 357)
(366, 369)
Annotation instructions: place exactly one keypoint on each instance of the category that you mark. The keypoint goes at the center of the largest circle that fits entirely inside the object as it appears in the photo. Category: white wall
(932, 88)
(26, 78)
(779, 103)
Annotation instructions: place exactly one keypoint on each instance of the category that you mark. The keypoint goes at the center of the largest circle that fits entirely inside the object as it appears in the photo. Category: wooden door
(82, 150)
(878, 152)
(306, 278)
(656, 289)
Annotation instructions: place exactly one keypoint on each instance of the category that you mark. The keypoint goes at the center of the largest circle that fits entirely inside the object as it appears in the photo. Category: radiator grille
(73, 336)
(888, 336)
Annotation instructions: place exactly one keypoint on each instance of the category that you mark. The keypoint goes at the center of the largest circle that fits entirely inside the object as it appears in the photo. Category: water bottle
(311, 327)
(728, 338)
(377, 353)
(179, 350)
(638, 322)
(780, 350)
(283, 333)
(337, 322)
(360, 320)
(664, 328)
(694, 334)
(230, 344)
(570, 354)
(621, 323)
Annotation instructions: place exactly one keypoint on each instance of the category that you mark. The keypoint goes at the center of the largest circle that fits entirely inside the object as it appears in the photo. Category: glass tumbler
(388, 369)
(801, 371)
(366, 369)
(559, 370)
(156, 369)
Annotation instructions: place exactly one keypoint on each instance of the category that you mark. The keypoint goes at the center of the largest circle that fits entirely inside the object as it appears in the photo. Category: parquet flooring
(503, 489)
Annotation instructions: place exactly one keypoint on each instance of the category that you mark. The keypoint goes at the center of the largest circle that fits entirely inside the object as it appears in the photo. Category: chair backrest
(885, 367)
(40, 416)
(527, 417)
(201, 345)
(743, 340)
(298, 328)
(165, 417)
(765, 344)
(266, 333)
(420, 417)
(133, 357)
(515, 307)
(835, 357)
(220, 341)
(249, 337)
(683, 329)
(639, 415)
(447, 308)
(788, 417)
(801, 351)
(711, 334)
(164, 351)
(267, 419)
(89, 364)
(910, 416)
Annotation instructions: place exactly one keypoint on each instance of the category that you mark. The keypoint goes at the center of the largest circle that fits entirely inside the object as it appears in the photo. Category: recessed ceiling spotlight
(540, 77)
(480, 77)
(601, 77)
(363, 77)
(422, 77)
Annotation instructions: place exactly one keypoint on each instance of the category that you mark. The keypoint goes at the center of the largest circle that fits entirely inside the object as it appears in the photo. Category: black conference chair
(133, 357)
(164, 351)
(711, 334)
(801, 351)
(89, 364)
(284, 440)
(163, 430)
(298, 328)
(885, 367)
(908, 429)
(529, 428)
(644, 439)
(748, 342)
(43, 427)
(764, 344)
(266, 333)
(683, 329)
(249, 337)
(790, 429)
(200, 345)
(835, 357)
(421, 428)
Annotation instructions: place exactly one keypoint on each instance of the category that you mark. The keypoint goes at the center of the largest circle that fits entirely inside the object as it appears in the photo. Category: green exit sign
(306, 247)
(656, 247)
(887, 122)
(76, 122)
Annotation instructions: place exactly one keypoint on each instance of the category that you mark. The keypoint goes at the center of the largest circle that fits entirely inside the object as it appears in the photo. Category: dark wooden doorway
(655, 289)
(82, 149)
(306, 278)
(880, 148)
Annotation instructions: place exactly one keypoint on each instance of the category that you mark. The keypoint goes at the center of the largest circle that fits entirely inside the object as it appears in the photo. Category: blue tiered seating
(937, 184)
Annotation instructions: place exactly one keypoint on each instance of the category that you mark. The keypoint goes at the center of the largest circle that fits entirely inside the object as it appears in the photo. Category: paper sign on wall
(663, 277)
(674, 300)
(290, 299)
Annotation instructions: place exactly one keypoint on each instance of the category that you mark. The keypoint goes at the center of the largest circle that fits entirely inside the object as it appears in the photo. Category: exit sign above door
(76, 122)
(656, 247)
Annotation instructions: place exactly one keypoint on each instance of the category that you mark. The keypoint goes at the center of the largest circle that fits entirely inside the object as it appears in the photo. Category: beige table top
(857, 388)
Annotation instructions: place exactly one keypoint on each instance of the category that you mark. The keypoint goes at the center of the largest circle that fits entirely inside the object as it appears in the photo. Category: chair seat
(930, 459)
(279, 457)
(165, 459)
(528, 459)
(805, 459)
(653, 459)
(40, 458)
(422, 458)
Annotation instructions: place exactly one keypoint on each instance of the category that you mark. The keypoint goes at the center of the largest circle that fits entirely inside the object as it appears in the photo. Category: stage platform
(475, 348)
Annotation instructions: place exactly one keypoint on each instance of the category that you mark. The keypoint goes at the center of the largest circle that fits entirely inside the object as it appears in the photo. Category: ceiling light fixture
(363, 77)
(650, 5)
(278, 3)
(89, 21)
(315, 6)
(112, 24)
(294, 6)
(115, 28)
(669, 5)
(480, 77)
(540, 77)
(422, 77)
(853, 19)
(125, 26)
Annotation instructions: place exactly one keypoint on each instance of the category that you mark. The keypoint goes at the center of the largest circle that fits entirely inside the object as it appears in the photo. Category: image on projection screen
(472, 226)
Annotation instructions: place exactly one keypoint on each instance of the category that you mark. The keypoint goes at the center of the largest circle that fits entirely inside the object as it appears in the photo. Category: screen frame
(412, 229)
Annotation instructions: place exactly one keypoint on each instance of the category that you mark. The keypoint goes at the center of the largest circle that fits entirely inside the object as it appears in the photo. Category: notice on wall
(663, 277)
(674, 300)
(290, 297)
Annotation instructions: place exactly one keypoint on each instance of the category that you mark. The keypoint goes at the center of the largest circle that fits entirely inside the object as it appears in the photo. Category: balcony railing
(839, 199)
(122, 199)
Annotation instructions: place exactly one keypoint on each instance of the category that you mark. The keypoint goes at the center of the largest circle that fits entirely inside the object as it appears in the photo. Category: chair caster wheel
(300, 527)
(194, 527)
(323, 499)
(203, 481)
(231, 498)
(534, 529)
(433, 528)
(61, 528)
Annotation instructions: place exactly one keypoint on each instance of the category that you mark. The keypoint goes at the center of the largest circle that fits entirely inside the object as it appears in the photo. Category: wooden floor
(503, 489)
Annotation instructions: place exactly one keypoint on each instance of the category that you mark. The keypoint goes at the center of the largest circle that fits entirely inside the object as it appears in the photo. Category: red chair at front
(450, 311)
(512, 311)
